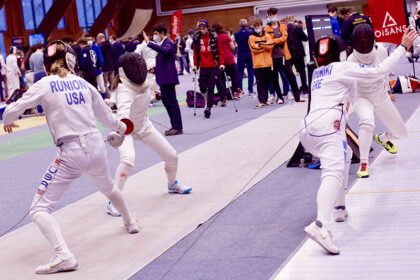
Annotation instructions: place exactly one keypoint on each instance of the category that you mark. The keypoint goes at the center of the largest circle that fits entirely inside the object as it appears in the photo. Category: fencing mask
(132, 70)
(363, 38)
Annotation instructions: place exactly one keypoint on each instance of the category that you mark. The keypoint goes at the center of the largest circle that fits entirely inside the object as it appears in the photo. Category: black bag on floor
(201, 102)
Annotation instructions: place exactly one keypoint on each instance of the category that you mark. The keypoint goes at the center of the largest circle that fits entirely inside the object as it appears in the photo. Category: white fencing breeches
(379, 104)
(152, 138)
(335, 158)
(84, 154)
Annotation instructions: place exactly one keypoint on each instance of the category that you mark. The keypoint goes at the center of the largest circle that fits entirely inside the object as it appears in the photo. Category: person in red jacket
(208, 56)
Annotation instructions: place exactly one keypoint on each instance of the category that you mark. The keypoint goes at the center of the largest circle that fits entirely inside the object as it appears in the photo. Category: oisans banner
(388, 19)
(176, 24)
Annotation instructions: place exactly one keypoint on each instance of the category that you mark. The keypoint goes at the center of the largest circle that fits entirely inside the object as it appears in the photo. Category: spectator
(208, 57)
(335, 24)
(100, 77)
(88, 62)
(188, 47)
(418, 21)
(261, 45)
(181, 54)
(166, 75)
(251, 20)
(244, 56)
(29, 74)
(149, 56)
(117, 51)
(354, 19)
(280, 53)
(3, 71)
(36, 62)
(13, 71)
(227, 47)
(130, 46)
(108, 65)
(294, 42)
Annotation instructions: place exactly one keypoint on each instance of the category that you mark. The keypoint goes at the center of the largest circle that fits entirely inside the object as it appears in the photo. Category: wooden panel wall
(226, 18)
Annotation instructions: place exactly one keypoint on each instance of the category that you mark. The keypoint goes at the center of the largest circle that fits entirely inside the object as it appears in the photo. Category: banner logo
(389, 21)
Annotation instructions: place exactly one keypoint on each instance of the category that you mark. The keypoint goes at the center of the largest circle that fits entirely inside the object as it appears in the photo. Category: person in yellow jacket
(261, 45)
(281, 55)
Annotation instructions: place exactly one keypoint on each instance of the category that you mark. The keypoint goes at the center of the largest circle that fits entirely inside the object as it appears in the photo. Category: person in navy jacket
(166, 75)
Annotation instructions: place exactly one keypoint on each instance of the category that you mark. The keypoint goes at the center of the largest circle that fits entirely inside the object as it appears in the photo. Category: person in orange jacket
(281, 54)
(261, 45)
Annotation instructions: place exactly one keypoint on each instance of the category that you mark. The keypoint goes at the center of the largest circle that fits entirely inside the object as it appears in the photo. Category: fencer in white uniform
(149, 56)
(13, 71)
(71, 106)
(372, 99)
(133, 96)
(323, 129)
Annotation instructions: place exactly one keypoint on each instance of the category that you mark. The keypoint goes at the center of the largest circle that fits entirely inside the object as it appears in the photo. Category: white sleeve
(102, 111)
(124, 100)
(31, 98)
(363, 72)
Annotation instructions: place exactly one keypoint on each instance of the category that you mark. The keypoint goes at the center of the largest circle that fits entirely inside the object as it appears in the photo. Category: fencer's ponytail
(59, 68)
(115, 83)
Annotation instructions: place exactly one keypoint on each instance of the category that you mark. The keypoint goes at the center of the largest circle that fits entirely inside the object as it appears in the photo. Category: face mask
(157, 38)
(269, 20)
(251, 27)
(258, 30)
(90, 43)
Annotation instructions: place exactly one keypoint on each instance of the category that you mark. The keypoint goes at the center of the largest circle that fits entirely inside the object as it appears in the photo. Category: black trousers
(232, 71)
(299, 63)
(207, 81)
(171, 105)
(263, 76)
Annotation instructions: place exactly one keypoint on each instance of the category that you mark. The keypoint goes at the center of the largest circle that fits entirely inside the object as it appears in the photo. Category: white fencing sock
(121, 175)
(51, 230)
(365, 142)
(326, 198)
(119, 203)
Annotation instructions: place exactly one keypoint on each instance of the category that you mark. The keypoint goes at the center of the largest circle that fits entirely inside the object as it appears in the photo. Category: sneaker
(363, 171)
(239, 92)
(59, 262)
(322, 235)
(267, 103)
(280, 101)
(132, 227)
(207, 113)
(111, 210)
(260, 105)
(179, 188)
(389, 146)
(340, 214)
(271, 99)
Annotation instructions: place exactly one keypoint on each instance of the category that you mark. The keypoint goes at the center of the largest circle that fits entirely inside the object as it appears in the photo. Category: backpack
(201, 102)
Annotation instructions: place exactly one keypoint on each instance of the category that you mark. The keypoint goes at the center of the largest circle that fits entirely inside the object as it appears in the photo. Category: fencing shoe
(132, 227)
(178, 188)
(59, 262)
(111, 210)
(363, 171)
(322, 235)
(340, 214)
(389, 146)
